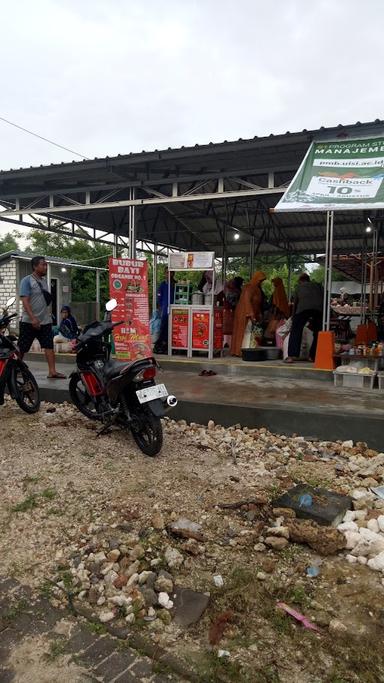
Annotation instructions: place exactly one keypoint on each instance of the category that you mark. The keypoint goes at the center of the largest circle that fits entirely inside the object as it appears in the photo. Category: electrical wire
(41, 137)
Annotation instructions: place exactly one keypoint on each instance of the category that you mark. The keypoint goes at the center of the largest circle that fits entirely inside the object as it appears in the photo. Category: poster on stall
(179, 328)
(200, 330)
(191, 260)
(128, 284)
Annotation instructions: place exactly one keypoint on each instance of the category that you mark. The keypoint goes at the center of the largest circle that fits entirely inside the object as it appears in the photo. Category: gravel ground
(66, 493)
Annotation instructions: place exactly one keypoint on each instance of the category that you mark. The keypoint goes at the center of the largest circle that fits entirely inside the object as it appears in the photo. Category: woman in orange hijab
(279, 298)
(250, 307)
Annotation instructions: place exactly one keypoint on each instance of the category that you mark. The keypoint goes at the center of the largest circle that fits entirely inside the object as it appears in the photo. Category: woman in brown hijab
(250, 307)
(279, 298)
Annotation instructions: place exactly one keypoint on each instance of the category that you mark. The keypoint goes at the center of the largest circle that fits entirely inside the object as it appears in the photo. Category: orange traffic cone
(325, 350)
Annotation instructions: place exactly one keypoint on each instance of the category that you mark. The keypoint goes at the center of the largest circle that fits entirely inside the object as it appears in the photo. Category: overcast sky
(113, 76)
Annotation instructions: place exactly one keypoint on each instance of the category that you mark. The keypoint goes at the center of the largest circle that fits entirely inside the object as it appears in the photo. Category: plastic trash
(223, 653)
(298, 616)
(305, 500)
(378, 491)
(312, 572)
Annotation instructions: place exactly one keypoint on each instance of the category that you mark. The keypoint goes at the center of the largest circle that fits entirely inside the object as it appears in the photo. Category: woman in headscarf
(279, 298)
(250, 307)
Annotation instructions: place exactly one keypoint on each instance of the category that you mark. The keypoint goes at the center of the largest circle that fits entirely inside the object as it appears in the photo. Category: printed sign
(128, 284)
(191, 260)
(200, 330)
(338, 175)
(218, 331)
(179, 317)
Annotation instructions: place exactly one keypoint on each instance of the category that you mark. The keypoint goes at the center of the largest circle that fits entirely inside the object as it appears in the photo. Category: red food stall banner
(128, 284)
(179, 328)
(200, 330)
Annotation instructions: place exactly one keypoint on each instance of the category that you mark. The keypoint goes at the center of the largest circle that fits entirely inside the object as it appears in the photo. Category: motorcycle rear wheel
(147, 432)
(24, 389)
(80, 397)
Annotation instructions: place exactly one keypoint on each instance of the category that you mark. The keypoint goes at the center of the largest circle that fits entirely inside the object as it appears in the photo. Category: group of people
(253, 306)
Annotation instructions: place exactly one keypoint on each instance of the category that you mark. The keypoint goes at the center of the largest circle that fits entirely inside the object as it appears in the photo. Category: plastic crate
(354, 380)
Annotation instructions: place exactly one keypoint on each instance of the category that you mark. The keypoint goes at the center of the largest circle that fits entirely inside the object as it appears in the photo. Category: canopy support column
(251, 255)
(328, 272)
(224, 257)
(289, 283)
(131, 226)
(154, 278)
(97, 295)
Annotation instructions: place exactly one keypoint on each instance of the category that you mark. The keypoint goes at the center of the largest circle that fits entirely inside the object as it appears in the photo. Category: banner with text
(342, 175)
(128, 284)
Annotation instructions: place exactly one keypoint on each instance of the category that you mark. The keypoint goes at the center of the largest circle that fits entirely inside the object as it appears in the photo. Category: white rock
(111, 577)
(348, 526)
(362, 559)
(223, 653)
(281, 531)
(259, 547)
(130, 618)
(211, 424)
(121, 600)
(377, 563)
(261, 576)
(352, 538)
(351, 558)
(134, 579)
(164, 600)
(101, 600)
(347, 444)
(173, 557)
(360, 514)
(218, 580)
(373, 525)
(99, 557)
(106, 616)
(380, 521)
(350, 516)
(143, 577)
(357, 494)
(336, 626)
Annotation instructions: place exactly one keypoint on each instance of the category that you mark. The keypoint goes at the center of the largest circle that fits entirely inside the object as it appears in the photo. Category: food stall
(195, 321)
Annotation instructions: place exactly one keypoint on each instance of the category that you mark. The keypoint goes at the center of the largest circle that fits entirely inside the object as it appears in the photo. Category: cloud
(123, 75)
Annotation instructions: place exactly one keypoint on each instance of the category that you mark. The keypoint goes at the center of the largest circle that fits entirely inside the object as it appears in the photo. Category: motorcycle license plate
(152, 393)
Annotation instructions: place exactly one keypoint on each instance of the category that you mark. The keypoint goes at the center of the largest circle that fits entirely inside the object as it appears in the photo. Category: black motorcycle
(14, 373)
(118, 393)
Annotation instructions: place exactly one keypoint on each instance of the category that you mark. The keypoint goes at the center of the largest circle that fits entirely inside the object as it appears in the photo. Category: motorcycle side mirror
(10, 302)
(111, 305)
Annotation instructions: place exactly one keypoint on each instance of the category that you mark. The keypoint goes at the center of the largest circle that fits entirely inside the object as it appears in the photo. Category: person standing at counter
(161, 345)
(280, 303)
(308, 307)
(250, 307)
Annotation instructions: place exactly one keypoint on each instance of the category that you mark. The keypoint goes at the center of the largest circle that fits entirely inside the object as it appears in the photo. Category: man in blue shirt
(162, 304)
(36, 320)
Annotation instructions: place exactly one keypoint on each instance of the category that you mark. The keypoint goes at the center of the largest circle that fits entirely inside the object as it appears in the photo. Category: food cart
(194, 328)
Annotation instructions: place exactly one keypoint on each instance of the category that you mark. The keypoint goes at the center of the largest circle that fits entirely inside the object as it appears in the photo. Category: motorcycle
(14, 373)
(117, 393)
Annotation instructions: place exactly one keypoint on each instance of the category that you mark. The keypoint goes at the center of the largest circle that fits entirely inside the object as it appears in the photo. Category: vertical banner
(128, 284)
(179, 317)
(200, 330)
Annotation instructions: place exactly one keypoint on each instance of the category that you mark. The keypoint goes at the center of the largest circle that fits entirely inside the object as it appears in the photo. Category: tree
(9, 243)
(89, 253)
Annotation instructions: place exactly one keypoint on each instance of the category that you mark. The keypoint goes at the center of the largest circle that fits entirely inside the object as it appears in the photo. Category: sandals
(57, 375)
(207, 373)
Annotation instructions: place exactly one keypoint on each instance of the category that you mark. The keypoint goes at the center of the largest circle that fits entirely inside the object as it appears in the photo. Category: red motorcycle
(118, 393)
(14, 373)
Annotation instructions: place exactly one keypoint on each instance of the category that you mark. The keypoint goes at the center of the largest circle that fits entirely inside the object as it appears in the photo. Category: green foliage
(90, 253)
(9, 243)
(27, 504)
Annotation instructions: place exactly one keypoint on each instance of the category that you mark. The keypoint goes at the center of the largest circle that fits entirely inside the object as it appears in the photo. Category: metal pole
(251, 255)
(131, 226)
(363, 284)
(289, 277)
(326, 266)
(330, 250)
(154, 279)
(97, 295)
(115, 248)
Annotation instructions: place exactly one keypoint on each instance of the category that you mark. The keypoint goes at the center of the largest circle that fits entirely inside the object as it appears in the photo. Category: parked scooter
(14, 373)
(117, 393)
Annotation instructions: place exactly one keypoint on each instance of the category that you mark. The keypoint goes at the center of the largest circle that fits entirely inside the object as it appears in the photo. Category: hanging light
(63, 270)
(369, 226)
(236, 236)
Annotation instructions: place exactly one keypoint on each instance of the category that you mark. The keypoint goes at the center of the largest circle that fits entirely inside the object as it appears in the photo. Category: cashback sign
(338, 175)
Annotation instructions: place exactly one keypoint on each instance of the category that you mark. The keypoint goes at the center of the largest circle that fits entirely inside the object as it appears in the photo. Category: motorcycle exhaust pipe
(171, 401)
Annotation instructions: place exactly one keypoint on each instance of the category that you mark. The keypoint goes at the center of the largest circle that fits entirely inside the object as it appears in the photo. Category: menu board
(191, 260)
(179, 328)
(128, 284)
(200, 330)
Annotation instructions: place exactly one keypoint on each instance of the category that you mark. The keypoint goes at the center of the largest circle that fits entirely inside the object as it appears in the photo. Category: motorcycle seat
(114, 368)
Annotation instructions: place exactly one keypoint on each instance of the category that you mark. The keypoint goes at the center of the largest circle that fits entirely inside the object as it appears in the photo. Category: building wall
(8, 284)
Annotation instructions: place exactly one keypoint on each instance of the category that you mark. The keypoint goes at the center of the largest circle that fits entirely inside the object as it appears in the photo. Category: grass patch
(49, 494)
(56, 649)
(29, 503)
(97, 628)
(15, 610)
(299, 596)
(214, 669)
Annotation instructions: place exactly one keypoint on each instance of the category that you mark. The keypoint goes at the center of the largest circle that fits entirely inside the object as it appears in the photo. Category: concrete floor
(300, 400)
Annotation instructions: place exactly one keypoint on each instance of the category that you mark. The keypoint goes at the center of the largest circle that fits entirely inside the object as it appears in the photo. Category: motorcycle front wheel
(80, 397)
(147, 431)
(24, 389)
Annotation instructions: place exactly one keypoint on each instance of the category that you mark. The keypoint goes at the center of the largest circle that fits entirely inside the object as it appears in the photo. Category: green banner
(338, 176)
